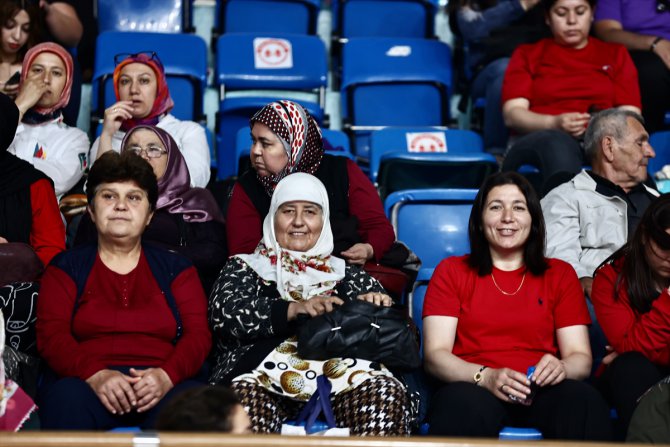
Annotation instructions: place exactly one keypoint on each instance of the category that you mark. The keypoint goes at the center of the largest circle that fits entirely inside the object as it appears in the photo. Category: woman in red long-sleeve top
(286, 139)
(632, 304)
(123, 325)
(28, 214)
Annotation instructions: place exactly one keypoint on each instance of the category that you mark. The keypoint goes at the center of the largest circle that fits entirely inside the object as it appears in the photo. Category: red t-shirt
(625, 328)
(557, 79)
(121, 320)
(499, 330)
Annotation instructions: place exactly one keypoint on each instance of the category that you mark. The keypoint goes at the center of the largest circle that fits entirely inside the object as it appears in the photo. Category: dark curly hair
(480, 255)
(202, 409)
(127, 167)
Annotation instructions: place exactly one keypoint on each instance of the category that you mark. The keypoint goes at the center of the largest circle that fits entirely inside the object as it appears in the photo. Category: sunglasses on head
(662, 5)
(150, 54)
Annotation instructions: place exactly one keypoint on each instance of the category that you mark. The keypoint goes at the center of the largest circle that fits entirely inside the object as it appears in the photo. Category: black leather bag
(359, 329)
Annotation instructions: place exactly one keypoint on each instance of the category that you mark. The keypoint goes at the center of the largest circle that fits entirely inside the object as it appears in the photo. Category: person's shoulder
(601, 47)
(166, 257)
(171, 121)
(458, 264)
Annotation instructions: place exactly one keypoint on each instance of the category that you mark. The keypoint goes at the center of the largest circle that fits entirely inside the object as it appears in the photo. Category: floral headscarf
(299, 275)
(174, 188)
(163, 102)
(49, 47)
(300, 135)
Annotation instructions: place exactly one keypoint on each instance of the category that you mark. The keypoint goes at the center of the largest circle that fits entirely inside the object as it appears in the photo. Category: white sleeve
(562, 220)
(193, 145)
(67, 161)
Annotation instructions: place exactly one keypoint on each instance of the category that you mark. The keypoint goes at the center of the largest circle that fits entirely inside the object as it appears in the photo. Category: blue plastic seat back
(394, 82)
(242, 66)
(274, 16)
(432, 222)
(660, 141)
(338, 141)
(417, 296)
(414, 139)
(159, 16)
(384, 18)
(184, 57)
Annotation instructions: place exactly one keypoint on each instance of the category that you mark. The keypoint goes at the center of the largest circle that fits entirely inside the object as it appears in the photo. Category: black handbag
(359, 329)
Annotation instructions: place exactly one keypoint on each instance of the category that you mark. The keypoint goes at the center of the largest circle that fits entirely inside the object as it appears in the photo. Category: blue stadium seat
(249, 79)
(338, 141)
(432, 222)
(159, 16)
(184, 57)
(393, 82)
(266, 16)
(424, 157)
(660, 141)
(384, 18)
(417, 296)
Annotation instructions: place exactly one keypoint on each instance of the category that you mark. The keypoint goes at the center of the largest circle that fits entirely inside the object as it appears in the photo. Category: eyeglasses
(150, 54)
(150, 151)
(662, 5)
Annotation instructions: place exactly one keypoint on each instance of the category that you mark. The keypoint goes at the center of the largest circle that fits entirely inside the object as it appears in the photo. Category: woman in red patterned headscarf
(143, 97)
(286, 139)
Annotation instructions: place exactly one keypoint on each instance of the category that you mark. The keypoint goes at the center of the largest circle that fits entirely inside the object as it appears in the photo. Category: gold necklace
(508, 293)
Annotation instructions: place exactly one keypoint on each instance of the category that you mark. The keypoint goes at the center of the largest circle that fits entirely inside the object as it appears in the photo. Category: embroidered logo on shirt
(39, 152)
(83, 163)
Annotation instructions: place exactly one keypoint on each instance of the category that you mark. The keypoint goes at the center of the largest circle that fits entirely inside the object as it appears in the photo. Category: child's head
(205, 409)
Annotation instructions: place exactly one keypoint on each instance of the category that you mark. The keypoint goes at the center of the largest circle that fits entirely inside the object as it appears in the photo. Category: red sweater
(557, 79)
(244, 226)
(47, 231)
(498, 330)
(625, 328)
(121, 320)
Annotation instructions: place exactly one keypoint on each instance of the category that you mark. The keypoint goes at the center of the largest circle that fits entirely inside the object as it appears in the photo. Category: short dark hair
(548, 4)
(204, 409)
(480, 255)
(112, 167)
(636, 274)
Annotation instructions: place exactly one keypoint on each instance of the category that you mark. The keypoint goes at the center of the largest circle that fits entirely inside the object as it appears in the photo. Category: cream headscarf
(299, 275)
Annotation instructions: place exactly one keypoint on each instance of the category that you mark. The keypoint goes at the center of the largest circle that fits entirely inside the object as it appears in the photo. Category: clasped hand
(121, 393)
(512, 386)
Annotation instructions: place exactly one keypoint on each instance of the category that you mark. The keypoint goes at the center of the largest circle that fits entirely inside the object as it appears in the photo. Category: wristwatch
(479, 376)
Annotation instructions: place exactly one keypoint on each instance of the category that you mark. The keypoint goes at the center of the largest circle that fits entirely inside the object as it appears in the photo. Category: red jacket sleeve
(364, 203)
(55, 341)
(196, 340)
(244, 226)
(625, 329)
(47, 231)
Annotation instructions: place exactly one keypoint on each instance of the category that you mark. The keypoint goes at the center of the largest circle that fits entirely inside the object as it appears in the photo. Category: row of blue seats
(351, 18)
(385, 81)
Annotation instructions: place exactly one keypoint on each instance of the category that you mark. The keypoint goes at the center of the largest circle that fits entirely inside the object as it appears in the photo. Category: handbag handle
(318, 403)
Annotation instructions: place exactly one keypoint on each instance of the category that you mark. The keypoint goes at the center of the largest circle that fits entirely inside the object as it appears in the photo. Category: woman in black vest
(286, 139)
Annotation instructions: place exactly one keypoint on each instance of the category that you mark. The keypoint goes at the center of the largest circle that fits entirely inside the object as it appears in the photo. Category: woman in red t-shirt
(551, 88)
(491, 315)
(632, 304)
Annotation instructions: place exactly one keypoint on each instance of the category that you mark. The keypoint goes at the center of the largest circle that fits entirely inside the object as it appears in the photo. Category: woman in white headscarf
(253, 313)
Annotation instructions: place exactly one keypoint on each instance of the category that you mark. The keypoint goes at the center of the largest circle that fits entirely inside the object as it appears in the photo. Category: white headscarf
(299, 275)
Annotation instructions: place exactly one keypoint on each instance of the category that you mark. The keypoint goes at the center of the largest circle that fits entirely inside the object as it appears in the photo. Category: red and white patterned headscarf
(300, 135)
